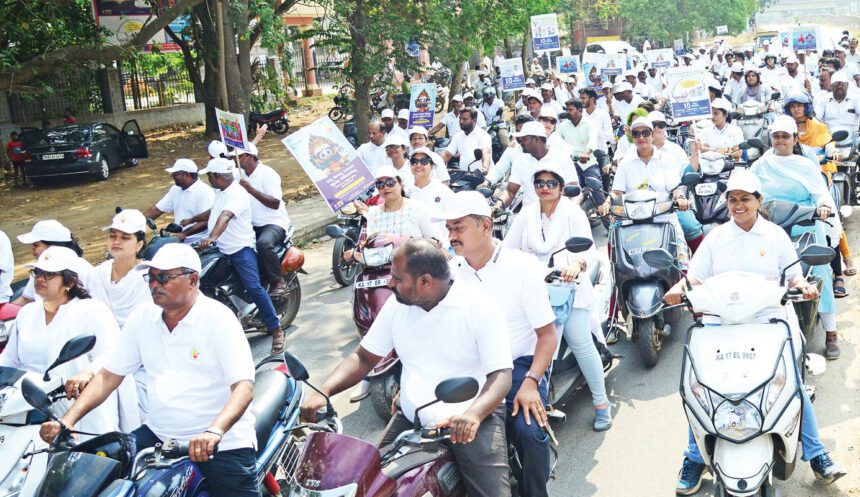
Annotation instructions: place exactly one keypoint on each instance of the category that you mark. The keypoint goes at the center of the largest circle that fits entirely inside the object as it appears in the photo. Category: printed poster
(785, 39)
(513, 76)
(722, 30)
(804, 38)
(678, 45)
(611, 64)
(688, 93)
(661, 57)
(336, 169)
(545, 33)
(567, 65)
(232, 129)
(422, 105)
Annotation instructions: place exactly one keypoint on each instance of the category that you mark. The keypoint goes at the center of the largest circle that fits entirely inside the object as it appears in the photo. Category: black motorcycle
(275, 120)
(351, 222)
(708, 199)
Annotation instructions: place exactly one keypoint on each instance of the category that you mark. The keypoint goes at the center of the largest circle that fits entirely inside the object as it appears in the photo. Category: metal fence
(327, 65)
(146, 89)
(76, 89)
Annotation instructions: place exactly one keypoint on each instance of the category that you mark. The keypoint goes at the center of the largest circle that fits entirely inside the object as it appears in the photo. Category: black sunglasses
(547, 183)
(660, 125)
(38, 273)
(390, 182)
(162, 278)
(424, 161)
(641, 134)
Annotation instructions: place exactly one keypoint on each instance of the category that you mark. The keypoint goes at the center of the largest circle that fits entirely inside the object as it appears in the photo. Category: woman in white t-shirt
(542, 229)
(398, 215)
(427, 188)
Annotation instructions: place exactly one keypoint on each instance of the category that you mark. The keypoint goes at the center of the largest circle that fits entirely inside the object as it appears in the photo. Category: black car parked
(77, 149)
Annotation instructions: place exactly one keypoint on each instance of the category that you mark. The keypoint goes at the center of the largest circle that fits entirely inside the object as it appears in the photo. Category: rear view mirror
(817, 255)
(755, 143)
(296, 368)
(454, 390)
(173, 228)
(690, 179)
(73, 349)
(736, 115)
(578, 244)
(151, 224)
(571, 191)
(658, 259)
(334, 231)
(37, 398)
(479, 154)
(775, 95)
(839, 136)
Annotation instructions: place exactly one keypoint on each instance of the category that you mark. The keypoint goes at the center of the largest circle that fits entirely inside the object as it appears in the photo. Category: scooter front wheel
(287, 306)
(344, 272)
(383, 390)
(650, 341)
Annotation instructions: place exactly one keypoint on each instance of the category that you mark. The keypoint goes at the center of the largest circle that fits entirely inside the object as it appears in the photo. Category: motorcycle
(275, 120)
(841, 184)
(371, 292)
(640, 288)
(494, 128)
(110, 466)
(8, 313)
(343, 108)
(753, 118)
(219, 281)
(465, 179)
(352, 223)
(708, 197)
(846, 179)
(741, 381)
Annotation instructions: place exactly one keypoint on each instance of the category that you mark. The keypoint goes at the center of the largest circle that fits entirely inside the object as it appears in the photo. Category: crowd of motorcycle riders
(482, 222)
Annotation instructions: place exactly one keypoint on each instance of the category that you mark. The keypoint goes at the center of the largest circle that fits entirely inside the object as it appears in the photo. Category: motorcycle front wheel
(344, 272)
(280, 127)
(383, 390)
(440, 105)
(287, 306)
(650, 341)
(335, 114)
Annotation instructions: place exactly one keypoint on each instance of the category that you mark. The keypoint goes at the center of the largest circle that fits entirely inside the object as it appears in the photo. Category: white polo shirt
(187, 203)
(7, 267)
(190, 370)
(266, 180)
(525, 166)
(464, 146)
(463, 335)
(452, 123)
(844, 114)
(372, 155)
(661, 174)
(601, 119)
(729, 136)
(515, 279)
(239, 232)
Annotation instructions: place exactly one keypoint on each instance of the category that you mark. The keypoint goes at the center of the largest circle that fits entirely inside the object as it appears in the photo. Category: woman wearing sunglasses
(64, 310)
(47, 233)
(398, 215)
(542, 229)
(427, 188)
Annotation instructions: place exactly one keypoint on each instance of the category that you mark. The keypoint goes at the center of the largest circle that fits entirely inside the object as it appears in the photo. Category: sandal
(839, 288)
(849, 270)
(279, 341)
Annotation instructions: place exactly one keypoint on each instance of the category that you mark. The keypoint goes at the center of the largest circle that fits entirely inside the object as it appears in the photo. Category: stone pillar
(111, 90)
(312, 89)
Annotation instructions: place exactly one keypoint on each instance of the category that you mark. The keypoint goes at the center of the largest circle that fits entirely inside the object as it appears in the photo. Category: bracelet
(215, 431)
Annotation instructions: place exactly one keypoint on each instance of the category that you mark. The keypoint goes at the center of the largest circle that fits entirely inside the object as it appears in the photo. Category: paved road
(640, 455)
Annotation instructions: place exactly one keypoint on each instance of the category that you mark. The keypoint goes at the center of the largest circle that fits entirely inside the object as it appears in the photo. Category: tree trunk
(236, 94)
(509, 48)
(245, 71)
(206, 42)
(221, 54)
(524, 56)
(358, 21)
(457, 84)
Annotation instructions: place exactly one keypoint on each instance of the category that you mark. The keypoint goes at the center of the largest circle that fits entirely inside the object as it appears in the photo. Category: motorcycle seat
(403, 464)
(271, 393)
(270, 116)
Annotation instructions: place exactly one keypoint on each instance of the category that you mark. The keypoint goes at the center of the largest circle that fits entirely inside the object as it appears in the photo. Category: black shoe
(825, 469)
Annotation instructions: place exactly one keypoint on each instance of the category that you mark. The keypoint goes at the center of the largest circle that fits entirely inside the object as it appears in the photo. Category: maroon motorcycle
(417, 464)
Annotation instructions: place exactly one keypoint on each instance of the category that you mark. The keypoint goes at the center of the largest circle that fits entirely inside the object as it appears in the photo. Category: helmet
(294, 259)
(489, 92)
(798, 98)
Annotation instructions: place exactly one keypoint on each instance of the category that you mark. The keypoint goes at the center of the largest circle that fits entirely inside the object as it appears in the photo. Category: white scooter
(20, 469)
(741, 380)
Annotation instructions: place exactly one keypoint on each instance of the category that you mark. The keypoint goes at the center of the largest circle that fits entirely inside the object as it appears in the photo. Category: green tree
(667, 20)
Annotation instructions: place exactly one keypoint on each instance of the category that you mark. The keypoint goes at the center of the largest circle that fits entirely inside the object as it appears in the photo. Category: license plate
(346, 216)
(51, 156)
(372, 283)
(706, 189)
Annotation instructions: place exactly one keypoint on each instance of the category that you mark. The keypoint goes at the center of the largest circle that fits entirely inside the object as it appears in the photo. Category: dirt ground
(86, 206)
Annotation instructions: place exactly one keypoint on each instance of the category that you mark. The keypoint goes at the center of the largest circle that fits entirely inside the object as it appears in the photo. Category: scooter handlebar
(435, 432)
(174, 449)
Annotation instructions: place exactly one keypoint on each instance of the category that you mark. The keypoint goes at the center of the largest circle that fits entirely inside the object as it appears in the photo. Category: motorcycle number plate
(345, 216)
(706, 189)
(372, 283)
(51, 156)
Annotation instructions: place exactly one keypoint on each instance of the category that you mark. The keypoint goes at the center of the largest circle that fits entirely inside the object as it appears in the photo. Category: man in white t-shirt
(230, 225)
(268, 216)
(7, 268)
(624, 100)
(372, 152)
(451, 121)
(469, 140)
(515, 279)
(454, 330)
(186, 198)
(199, 375)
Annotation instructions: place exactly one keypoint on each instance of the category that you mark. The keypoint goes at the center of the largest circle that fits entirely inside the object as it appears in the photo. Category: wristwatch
(533, 376)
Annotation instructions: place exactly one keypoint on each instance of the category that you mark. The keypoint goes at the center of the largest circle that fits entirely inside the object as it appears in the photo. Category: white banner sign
(545, 33)
(688, 93)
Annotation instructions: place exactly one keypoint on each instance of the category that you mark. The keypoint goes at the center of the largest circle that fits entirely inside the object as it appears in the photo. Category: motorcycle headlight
(737, 422)
(640, 210)
(346, 491)
(348, 209)
(14, 481)
(712, 167)
(699, 392)
(377, 256)
(775, 387)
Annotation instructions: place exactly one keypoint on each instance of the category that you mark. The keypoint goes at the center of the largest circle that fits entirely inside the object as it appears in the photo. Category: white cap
(457, 98)
(128, 221)
(656, 115)
(387, 113)
(417, 130)
(549, 167)
(532, 93)
(642, 122)
(49, 230)
(252, 150)
(841, 47)
(465, 203)
(467, 96)
(722, 103)
(403, 114)
(217, 165)
(183, 165)
(630, 72)
(395, 139)
(545, 111)
(437, 159)
(751, 67)
(737, 67)
(216, 148)
(743, 180)
(531, 128)
(792, 59)
(838, 77)
(621, 87)
(766, 42)
(530, 81)
(173, 256)
(386, 171)
(785, 124)
(56, 258)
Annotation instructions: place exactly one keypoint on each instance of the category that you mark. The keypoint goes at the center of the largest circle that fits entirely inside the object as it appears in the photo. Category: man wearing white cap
(268, 216)
(199, 374)
(534, 102)
(841, 110)
(185, 199)
(7, 268)
(532, 138)
(230, 224)
(624, 100)
(217, 149)
(491, 106)
(451, 121)
(372, 152)
(549, 101)
(403, 119)
(735, 82)
(795, 79)
(387, 118)
(470, 140)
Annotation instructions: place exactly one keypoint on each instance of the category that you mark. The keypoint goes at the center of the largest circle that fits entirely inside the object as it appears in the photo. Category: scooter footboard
(742, 468)
(644, 298)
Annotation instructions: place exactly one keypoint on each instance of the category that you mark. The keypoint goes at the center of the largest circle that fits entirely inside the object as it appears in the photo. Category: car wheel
(104, 170)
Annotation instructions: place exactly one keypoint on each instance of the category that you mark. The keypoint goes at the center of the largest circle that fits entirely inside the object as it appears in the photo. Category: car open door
(135, 142)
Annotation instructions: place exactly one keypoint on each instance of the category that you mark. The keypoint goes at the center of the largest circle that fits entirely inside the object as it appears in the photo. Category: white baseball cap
(465, 203)
(216, 148)
(387, 113)
(532, 93)
(743, 180)
(386, 171)
(173, 256)
(182, 165)
(656, 115)
(630, 72)
(252, 150)
(838, 77)
(403, 114)
(49, 230)
(218, 165)
(785, 124)
(417, 130)
(621, 87)
(394, 139)
(56, 258)
(437, 159)
(722, 103)
(737, 67)
(642, 122)
(546, 86)
(530, 81)
(128, 221)
(549, 167)
(792, 59)
(457, 98)
(547, 112)
(531, 128)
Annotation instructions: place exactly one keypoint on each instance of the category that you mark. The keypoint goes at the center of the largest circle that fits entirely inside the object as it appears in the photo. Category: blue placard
(682, 110)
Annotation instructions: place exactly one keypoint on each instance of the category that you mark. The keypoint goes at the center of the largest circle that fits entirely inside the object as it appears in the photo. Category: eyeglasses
(660, 125)
(390, 182)
(38, 273)
(546, 183)
(641, 134)
(162, 278)
(415, 161)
